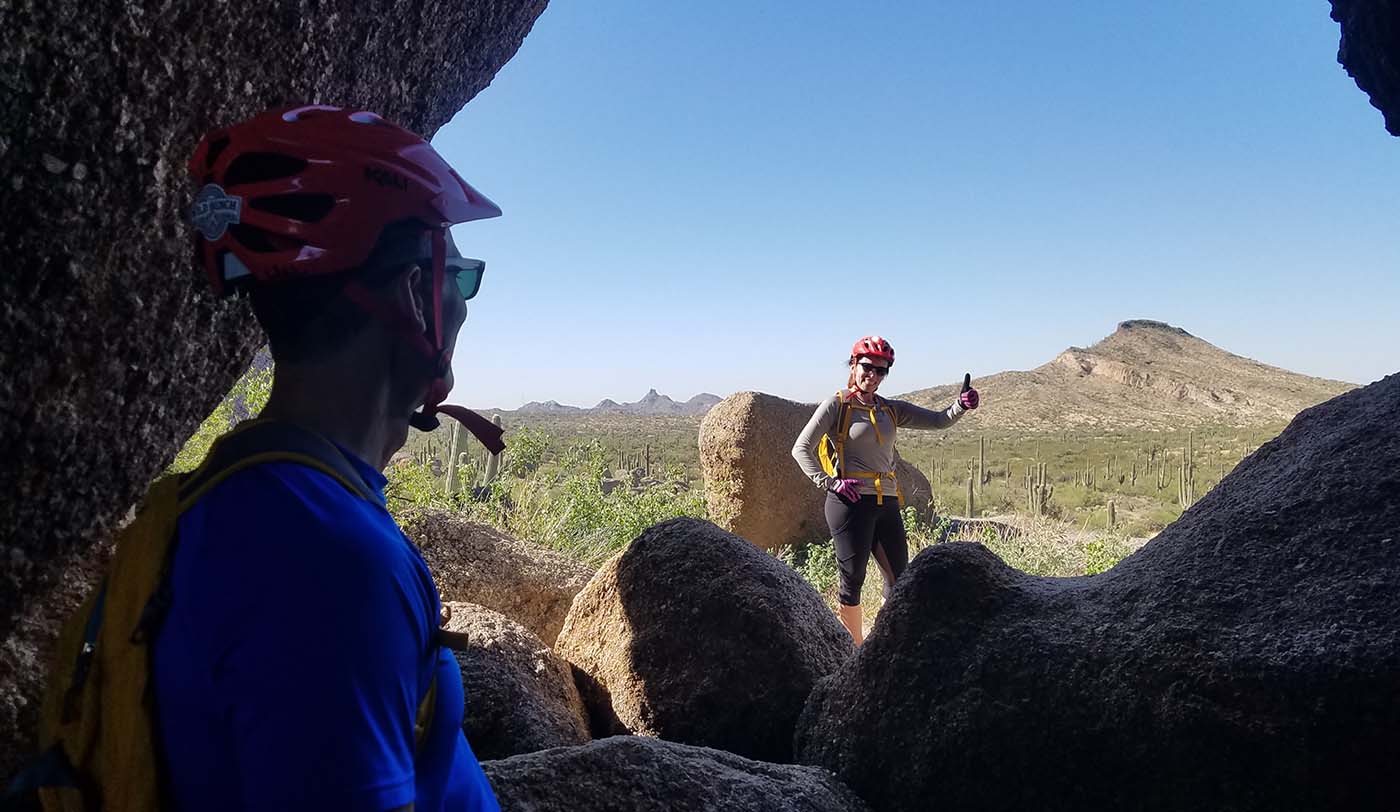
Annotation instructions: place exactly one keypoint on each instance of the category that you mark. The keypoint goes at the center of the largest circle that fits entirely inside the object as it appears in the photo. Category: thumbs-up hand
(968, 397)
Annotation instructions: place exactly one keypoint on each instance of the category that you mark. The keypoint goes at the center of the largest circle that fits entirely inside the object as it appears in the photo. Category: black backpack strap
(261, 441)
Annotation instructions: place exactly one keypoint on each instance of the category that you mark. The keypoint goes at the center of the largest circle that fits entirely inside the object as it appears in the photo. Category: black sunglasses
(466, 273)
(871, 368)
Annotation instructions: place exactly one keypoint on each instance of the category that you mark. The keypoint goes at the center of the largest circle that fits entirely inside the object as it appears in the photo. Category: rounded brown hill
(1146, 375)
(1246, 658)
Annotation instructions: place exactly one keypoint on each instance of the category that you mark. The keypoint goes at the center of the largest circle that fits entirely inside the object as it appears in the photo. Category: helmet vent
(303, 207)
(256, 167)
(261, 242)
(215, 150)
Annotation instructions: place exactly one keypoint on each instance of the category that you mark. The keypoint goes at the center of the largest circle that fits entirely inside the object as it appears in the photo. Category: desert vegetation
(1058, 504)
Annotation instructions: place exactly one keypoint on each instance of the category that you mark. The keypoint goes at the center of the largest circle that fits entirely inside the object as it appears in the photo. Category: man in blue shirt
(300, 644)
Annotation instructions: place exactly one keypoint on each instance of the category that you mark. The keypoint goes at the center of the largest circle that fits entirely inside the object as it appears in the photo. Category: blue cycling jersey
(299, 644)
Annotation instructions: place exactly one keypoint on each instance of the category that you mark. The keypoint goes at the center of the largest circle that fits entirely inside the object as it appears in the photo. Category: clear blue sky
(723, 196)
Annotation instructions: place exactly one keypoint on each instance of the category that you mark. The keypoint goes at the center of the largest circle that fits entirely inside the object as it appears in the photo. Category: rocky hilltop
(1146, 375)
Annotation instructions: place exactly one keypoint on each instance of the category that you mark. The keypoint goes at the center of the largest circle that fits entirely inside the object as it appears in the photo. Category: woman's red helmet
(874, 347)
(307, 190)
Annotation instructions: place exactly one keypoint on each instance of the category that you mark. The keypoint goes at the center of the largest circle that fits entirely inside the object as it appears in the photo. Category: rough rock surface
(527, 583)
(111, 350)
(1370, 51)
(694, 635)
(753, 486)
(1246, 658)
(635, 774)
(520, 696)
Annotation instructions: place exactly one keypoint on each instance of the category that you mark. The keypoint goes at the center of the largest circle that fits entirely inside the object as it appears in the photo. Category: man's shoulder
(286, 499)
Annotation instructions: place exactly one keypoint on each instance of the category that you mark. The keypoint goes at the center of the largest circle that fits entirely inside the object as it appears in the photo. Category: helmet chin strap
(425, 419)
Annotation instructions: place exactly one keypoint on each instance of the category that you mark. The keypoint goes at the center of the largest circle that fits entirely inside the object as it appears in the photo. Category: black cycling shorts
(862, 529)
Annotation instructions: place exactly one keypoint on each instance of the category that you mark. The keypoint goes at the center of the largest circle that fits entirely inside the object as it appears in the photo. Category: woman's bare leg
(852, 620)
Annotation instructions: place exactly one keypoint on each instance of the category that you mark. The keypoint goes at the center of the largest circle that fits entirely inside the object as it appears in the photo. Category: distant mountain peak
(652, 403)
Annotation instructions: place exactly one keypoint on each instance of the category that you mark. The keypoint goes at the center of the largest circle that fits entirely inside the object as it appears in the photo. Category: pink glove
(968, 396)
(848, 489)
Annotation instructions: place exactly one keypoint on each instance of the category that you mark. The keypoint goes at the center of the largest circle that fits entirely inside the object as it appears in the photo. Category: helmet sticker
(214, 211)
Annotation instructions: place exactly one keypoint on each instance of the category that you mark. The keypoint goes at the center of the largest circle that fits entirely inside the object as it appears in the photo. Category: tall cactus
(493, 463)
(456, 449)
(1038, 491)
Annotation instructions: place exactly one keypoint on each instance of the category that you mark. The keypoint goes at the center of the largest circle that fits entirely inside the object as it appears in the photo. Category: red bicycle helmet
(307, 190)
(874, 347)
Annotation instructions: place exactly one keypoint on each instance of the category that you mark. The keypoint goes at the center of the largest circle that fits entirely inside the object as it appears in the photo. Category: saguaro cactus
(456, 452)
(493, 463)
(1038, 491)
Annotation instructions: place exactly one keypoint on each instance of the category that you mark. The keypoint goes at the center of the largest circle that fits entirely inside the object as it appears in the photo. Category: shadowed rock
(700, 637)
(1368, 50)
(111, 348)
(752, 485)
(520, 696)
(634, 774)
(527, 583)
(1246, 658)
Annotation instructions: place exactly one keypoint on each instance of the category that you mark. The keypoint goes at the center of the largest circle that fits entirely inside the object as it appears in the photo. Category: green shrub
(246, 399)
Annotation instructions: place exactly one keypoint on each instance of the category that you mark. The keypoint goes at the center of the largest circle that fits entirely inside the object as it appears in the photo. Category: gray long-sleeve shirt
(870, 445)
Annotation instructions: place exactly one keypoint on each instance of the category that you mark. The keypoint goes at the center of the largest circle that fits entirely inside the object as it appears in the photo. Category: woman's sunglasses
(872, 369)
(466, 273)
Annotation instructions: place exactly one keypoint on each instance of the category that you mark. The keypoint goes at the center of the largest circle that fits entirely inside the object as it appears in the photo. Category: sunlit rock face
(111, 350)
(1370, 51)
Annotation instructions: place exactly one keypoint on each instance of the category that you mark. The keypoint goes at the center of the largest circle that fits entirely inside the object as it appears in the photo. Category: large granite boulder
(111, 348)
(694, 635)
(520, 696)
(1368, 49)
(753, 486)
(635, 774)
(530, 584)
(1246, 658)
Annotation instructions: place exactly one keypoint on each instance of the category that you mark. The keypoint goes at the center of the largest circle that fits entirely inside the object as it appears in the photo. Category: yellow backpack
(97, 734)
(831, 451)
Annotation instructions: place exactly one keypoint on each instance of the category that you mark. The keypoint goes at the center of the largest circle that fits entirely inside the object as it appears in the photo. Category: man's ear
(407, 293)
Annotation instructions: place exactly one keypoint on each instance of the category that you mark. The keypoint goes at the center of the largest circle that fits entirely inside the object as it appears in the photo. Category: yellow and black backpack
(831, 451)
(97, 734)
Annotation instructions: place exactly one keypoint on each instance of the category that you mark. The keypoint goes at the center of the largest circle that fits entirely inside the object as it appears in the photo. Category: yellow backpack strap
(255, 442)
(843, 430)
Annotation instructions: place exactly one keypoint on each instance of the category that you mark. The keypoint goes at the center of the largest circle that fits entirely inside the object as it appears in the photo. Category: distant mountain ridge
(1146, 375)
(652, 403)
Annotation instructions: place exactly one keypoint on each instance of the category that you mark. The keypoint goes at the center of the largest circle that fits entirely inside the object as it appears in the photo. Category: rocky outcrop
(918, 493)
(527, 583)
(1368, 49)
(694, 635)
(634, 774)
(520, 696)
(111, 348)
(1246, 658)
(752, 485)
